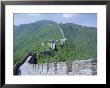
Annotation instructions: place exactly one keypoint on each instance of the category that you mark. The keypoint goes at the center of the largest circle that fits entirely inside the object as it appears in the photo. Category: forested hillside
(81, 41)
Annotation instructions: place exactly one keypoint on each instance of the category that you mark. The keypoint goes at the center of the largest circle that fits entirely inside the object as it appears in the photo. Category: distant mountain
(28, 37)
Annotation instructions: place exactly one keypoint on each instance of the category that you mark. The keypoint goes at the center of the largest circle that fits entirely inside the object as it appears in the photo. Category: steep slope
(28, 37)
(81, 41)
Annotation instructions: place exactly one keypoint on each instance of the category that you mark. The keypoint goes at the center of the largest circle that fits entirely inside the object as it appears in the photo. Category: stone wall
(82, 67)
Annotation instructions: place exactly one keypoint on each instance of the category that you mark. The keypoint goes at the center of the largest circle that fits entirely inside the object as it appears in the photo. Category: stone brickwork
(82, 67)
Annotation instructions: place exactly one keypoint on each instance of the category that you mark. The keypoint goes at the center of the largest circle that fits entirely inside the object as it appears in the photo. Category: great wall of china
(82, 67)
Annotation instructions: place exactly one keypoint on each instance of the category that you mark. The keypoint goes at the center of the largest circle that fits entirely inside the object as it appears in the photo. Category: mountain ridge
(54, 22)
(28, 37)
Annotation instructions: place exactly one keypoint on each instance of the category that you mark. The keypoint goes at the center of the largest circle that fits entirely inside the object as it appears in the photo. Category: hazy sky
(85, 19)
